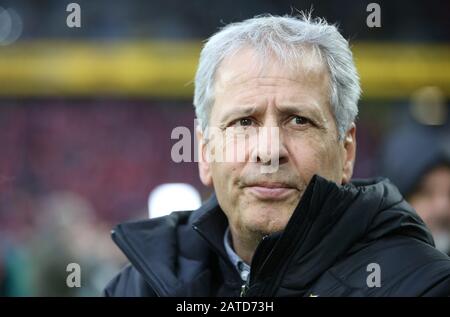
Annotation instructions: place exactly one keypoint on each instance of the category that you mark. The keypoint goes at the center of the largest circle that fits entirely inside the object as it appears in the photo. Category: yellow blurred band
(161, 69)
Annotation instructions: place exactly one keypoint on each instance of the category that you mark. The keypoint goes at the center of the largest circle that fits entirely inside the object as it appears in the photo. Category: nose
(270, 149)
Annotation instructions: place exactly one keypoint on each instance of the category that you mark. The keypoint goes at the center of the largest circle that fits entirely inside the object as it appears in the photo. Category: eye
(299, 120)
(243, 122)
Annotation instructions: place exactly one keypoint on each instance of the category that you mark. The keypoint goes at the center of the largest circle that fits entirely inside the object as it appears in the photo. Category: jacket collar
(173, 259)
(329, 222)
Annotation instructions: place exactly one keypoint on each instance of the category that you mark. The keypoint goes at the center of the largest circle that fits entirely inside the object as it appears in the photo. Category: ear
(204, 167)
(349, 153)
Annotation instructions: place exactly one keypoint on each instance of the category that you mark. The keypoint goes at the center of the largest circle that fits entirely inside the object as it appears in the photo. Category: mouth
(271, 191)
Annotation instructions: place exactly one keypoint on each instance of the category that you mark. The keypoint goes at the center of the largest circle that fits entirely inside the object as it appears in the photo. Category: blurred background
(86, 116)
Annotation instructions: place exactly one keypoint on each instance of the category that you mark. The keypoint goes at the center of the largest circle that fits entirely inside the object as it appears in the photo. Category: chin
(265, 224)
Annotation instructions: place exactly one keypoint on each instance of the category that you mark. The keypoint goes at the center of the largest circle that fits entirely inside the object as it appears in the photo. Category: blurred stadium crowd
(76, 161)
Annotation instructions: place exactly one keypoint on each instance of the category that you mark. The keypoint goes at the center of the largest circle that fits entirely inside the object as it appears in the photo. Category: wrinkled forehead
(303, 61)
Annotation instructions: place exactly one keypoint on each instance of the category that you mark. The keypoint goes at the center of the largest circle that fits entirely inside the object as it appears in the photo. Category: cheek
(316, 156)
(219, 172)
(332, 161)
(225, 182)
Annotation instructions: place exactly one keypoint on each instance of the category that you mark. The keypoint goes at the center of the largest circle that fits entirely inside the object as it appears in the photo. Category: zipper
(255, 267)
(246, 278)
(147, 274)
(244, 288)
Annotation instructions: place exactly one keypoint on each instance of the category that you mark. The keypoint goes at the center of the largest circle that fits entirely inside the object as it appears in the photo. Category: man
(299, 228)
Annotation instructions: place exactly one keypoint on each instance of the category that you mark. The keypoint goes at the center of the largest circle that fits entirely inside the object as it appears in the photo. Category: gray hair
(283, 36)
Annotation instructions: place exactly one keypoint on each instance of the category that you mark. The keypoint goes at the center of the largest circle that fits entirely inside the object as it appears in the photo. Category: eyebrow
(312, 109)
(247, 110)
(244, 110)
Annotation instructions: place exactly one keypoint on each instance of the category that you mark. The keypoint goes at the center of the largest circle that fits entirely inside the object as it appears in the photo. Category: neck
(244, 244)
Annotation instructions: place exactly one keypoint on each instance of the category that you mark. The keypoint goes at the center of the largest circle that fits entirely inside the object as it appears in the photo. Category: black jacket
(326, 249)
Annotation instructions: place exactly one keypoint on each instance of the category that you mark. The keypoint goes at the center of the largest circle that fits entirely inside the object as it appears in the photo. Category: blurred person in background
(304, 230)
(416, 157)
(431, 199)
(66, 226)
